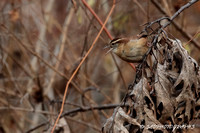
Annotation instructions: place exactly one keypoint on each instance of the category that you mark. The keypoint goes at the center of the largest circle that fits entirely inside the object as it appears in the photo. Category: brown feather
(129, 49)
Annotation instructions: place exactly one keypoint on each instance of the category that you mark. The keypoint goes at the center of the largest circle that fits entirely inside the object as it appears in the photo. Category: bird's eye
(113, 44)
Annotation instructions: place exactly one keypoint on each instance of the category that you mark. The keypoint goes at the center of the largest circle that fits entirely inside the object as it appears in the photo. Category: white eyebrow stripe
(117, 40)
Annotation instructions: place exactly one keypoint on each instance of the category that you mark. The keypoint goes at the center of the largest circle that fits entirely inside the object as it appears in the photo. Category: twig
(44, 61)
(18, 63)
(109, 35)
(26, 110)
(76, 110)
(120, 72)
(40, 58)
(32, 52)
(42, 33)
(140, 6)
(81, 109)
(101, 107)
(149, 24)
(184, 33)
(159, 30)
(63, 40)
(74, 4)
(198, 32)
(74, 73)
(98, 19)
(179, 11)
(99, 90)
(91, 126)
(38, 126)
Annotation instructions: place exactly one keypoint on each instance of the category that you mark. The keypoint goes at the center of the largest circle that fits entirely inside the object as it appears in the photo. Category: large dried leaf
(165, 92)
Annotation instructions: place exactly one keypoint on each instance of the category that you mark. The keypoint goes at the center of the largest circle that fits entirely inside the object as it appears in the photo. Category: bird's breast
(132, 52)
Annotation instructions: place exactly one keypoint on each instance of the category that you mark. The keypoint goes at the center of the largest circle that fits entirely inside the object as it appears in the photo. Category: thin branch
(38, 126)
(32, 52)
(26, 110)
(140, 6)
(101, 107)
(98, 19)
(182, 9)
(98, 88)
(170, 20)
(120, 72)
(198, 32)
(178, 12)
(40, 58)
(91, 126)
(18, 63)
(74, 73)
(158, 31)
(60, 55)
(176, 25)
(70, 112)
(42, 33)
(80, 109)
(109, 35)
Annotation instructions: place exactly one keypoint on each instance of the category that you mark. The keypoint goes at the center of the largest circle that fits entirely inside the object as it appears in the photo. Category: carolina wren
(130, 50)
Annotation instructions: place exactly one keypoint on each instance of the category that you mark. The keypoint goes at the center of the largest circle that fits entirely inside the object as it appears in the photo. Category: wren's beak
(108, 46)
(109, 51)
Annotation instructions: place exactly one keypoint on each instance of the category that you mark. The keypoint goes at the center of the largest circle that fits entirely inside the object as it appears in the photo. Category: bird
(129, 49)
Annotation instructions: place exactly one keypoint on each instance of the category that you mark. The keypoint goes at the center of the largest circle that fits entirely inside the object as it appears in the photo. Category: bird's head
(116, 43)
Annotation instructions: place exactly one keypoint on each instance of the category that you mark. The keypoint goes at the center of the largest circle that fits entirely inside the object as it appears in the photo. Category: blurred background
(43, 41)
